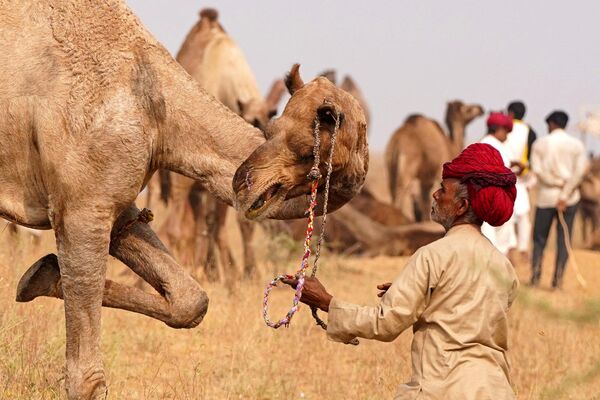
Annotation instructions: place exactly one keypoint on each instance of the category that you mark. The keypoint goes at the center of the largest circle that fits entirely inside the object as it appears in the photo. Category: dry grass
(555, 339)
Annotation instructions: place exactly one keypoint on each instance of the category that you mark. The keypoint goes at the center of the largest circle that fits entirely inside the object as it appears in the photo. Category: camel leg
(211, 264)
(225, 255)
(181, 302)
(198, 200)
(82, 239)
(247, 229)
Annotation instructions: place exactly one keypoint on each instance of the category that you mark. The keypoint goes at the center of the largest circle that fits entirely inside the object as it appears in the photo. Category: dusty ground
(555, 338)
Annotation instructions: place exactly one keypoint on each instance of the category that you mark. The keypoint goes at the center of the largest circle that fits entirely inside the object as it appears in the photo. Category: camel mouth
(264, 201)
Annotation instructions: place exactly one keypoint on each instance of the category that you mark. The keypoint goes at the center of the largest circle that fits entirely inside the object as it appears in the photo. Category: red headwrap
(491, 185)
(501, 120)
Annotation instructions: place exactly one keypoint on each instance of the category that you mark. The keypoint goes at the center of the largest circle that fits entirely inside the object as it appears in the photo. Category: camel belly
(23, 199)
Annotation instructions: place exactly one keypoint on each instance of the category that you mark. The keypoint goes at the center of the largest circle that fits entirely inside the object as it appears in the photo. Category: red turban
(501, 120)
(491, 185)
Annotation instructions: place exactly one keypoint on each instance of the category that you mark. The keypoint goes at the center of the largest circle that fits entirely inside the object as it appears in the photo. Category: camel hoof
(41, 279)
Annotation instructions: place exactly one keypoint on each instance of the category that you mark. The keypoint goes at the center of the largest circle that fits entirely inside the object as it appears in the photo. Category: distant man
(518, 143)
(498, 127)
(455, 292)
(559, 162)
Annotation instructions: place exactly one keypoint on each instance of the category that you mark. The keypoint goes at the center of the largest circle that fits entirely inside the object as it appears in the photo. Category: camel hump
(413, 118)
(209, 13)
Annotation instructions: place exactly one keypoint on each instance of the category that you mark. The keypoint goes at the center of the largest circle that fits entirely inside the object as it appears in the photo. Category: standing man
(559, 163)
(519, 142)
(455, 292)
(499, 125)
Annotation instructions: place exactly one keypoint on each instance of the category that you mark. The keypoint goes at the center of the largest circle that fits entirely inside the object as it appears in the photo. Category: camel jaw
(270, 198)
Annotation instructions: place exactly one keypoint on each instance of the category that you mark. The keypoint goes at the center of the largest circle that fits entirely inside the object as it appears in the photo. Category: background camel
(194, 225)
(416, 151)
(90, 106)
(589, 206)
(349, 85)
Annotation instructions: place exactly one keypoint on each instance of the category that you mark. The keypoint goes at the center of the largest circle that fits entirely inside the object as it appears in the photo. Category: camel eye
(307, 157)
(256, 123)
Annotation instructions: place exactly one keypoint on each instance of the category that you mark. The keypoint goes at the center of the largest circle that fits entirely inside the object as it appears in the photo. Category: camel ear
(328, 114)
(293, 82)
(330, 75)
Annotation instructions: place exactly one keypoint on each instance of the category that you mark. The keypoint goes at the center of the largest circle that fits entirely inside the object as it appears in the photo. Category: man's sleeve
(581, 164)
(399, 308)
(536, 166)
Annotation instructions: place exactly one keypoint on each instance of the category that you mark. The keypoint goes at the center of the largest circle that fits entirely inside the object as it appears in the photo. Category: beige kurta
(455, 292)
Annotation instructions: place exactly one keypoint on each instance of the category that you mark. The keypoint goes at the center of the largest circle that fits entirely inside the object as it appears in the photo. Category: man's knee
(188, 307)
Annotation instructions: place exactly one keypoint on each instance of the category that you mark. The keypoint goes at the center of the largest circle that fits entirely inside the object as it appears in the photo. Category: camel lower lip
(263, 200)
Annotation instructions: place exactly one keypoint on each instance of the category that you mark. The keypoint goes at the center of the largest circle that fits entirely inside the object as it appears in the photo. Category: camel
(91, 105)
(351, 230)
(589, 206)
(415, 154)
(196, 220)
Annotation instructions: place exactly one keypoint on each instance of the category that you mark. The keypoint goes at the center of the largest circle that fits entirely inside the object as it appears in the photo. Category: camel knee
(189, 308)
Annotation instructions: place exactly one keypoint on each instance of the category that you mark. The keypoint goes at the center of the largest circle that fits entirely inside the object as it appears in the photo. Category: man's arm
(581, 164)
(531, 136)
(400, 306)
(536, 167)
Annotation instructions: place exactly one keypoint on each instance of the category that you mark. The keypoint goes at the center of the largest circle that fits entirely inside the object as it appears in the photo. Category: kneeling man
(455, 292)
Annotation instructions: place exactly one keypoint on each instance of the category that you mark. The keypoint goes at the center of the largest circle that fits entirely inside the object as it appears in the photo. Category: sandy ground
(554, 337)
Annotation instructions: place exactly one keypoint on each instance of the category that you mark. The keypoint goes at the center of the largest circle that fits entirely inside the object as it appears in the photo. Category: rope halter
(314, 175)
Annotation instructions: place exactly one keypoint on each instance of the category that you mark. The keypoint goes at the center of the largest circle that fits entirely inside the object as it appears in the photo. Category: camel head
(274, 181)
(459, 112)
(256, 112)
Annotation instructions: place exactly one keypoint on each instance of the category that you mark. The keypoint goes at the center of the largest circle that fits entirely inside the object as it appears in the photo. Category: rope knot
(314, 174)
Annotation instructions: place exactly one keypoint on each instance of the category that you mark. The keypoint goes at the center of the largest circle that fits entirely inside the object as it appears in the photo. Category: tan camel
(589, 206)
(351, 230)
(195, 223)
(415, 154)
(90, 106)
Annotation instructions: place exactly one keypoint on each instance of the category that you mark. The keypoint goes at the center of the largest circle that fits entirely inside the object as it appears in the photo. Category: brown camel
(196, 220)
(415, 154)
(90, 106)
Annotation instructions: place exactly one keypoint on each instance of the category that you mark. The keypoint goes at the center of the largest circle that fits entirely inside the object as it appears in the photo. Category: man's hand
(561, 206)
(384, 288)
(314, 293)
(517, 167)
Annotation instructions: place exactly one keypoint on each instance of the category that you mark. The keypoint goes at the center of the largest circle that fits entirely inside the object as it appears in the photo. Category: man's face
(444, 209)
(501, 134)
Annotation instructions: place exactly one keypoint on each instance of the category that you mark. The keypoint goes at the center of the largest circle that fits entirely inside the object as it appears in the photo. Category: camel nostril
(242, 179)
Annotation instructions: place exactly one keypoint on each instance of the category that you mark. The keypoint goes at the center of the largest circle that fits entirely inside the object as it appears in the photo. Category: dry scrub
(555, 337)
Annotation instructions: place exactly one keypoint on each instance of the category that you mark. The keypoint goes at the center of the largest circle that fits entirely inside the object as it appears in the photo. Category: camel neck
(456, 131)
(204, 140)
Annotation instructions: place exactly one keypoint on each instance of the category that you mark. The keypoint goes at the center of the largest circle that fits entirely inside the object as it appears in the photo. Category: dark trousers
(541, 229)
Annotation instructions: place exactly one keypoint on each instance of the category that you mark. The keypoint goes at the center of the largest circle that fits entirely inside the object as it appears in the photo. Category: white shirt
(516, 142)
(500, 146)
(559, 162)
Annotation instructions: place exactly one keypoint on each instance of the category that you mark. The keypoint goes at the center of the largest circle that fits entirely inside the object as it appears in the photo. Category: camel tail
(165, 185)
(209, 13)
